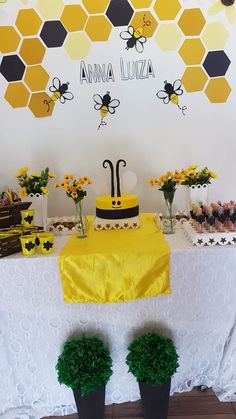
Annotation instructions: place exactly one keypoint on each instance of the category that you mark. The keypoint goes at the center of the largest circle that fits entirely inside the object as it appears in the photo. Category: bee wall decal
(134, 37)
(105, 105)
(59, 91)
(171, 93)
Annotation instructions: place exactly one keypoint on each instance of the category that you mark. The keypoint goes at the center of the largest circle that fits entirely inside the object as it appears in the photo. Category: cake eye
(118, 203)
(113, 202)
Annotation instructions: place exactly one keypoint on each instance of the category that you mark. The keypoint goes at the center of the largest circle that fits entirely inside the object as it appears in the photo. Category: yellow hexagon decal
(73, 18)
(38, 105)
(141, 4)
(50, 9)
(9, 39)
(96, 6)
(192, 22)
(28, 22)
(194, 79)
(77, 45)
(36, 78)
(168, 37)
(167, 9)
(215, 35)
(32, 51)
(98, 28)
(17, 95)
(145, 22)
(192, 51)
(218, 90)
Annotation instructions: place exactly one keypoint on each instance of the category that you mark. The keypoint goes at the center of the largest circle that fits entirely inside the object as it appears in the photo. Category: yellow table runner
(116, 265)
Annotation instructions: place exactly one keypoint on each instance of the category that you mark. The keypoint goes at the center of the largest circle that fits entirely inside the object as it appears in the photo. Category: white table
(200, 316)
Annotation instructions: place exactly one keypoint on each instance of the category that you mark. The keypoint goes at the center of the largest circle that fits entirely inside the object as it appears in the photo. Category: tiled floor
(196, 404)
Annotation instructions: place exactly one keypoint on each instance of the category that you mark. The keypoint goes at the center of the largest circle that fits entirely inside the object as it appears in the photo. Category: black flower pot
(91, 405)
(155, 400)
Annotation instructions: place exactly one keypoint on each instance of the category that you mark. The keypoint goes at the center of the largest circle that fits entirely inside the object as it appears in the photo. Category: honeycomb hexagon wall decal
(138, 22)
(32, 51)
(36, 78)
(168, 36)
(28, 22)
(12, 68)
(50, 9)
(216, 63)
(192, 51)
(98, 28)
(194, 79)
(141, 4)
(215, 35)
(77, 45)
(9, 39)
(53, 33)
(17, 95)
(192, 22)
(119, 12)
(96, 6)
(73, 17)
(38, 105)
(218, 90)
(167, 9)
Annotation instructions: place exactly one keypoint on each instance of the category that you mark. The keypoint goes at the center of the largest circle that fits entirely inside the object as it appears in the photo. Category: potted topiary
(85, 366)
(153, 359)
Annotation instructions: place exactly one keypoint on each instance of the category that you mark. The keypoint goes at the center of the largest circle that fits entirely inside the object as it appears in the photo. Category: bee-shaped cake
(117, 211)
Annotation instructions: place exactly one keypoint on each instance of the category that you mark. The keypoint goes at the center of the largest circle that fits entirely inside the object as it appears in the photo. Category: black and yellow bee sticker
(135, 37)
(59, 92)
(105, 104)
(171, 94)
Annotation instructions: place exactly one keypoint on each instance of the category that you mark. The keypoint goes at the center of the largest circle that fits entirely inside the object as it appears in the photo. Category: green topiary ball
(152, 359)
(85, 363)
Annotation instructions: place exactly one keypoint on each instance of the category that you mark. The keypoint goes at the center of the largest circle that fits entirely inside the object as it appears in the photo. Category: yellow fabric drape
(116, 265)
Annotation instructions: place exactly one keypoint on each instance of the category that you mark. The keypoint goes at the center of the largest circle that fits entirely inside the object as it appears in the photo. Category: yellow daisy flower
(51, 175)
(22, 193)
(44, 190)
(229, 10)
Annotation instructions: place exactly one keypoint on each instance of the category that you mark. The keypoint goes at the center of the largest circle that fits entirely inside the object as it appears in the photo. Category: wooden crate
(10, 214)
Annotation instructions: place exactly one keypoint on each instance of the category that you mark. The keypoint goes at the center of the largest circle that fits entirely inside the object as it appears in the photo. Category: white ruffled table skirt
(200, 316)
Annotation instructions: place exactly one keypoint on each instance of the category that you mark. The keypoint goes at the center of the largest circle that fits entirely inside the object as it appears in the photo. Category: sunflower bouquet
(34, 183)
(169, 181)
(73, 187)
(192, 176)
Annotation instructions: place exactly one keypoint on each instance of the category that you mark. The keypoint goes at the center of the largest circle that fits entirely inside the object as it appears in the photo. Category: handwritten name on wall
(130, 70)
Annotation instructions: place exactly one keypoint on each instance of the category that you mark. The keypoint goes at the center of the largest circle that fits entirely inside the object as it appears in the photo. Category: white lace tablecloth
(200, 316)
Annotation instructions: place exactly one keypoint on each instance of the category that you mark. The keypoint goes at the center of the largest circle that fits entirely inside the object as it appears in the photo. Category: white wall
(150, 136)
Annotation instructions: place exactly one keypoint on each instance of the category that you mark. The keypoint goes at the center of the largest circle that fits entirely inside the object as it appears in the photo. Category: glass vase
(81, 221)
(168, 219)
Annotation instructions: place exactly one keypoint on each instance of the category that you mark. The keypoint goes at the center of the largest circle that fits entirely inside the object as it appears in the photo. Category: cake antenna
(112, 175)
(118, 175)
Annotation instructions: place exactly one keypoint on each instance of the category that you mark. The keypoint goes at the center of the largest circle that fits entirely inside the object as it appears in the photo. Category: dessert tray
(62, 226)
(207, 238)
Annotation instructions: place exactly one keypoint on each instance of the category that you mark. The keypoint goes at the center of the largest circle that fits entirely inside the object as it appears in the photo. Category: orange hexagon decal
(32, 51)
(9, 39)
(36, 78)
(192, 51)
(144, 23)
(98, 28)
(17, 95)
(218, 90)
(73, 18)
(192, 22)
(167, 9)
(38, 106)
(96, 6)
(194, 79)
(28, 22)
(141, 4)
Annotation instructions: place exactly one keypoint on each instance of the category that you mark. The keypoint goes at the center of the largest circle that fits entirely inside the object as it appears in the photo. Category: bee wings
(177, 87)
(127, 34)
(139, 44)
(112, 105)
(98, 101)
(163, 95)
(56, 85)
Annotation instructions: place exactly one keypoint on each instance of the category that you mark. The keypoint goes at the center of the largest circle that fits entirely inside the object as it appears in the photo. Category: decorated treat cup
(46, 243)
(37, 239)
(28, 244)
(27, 217)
